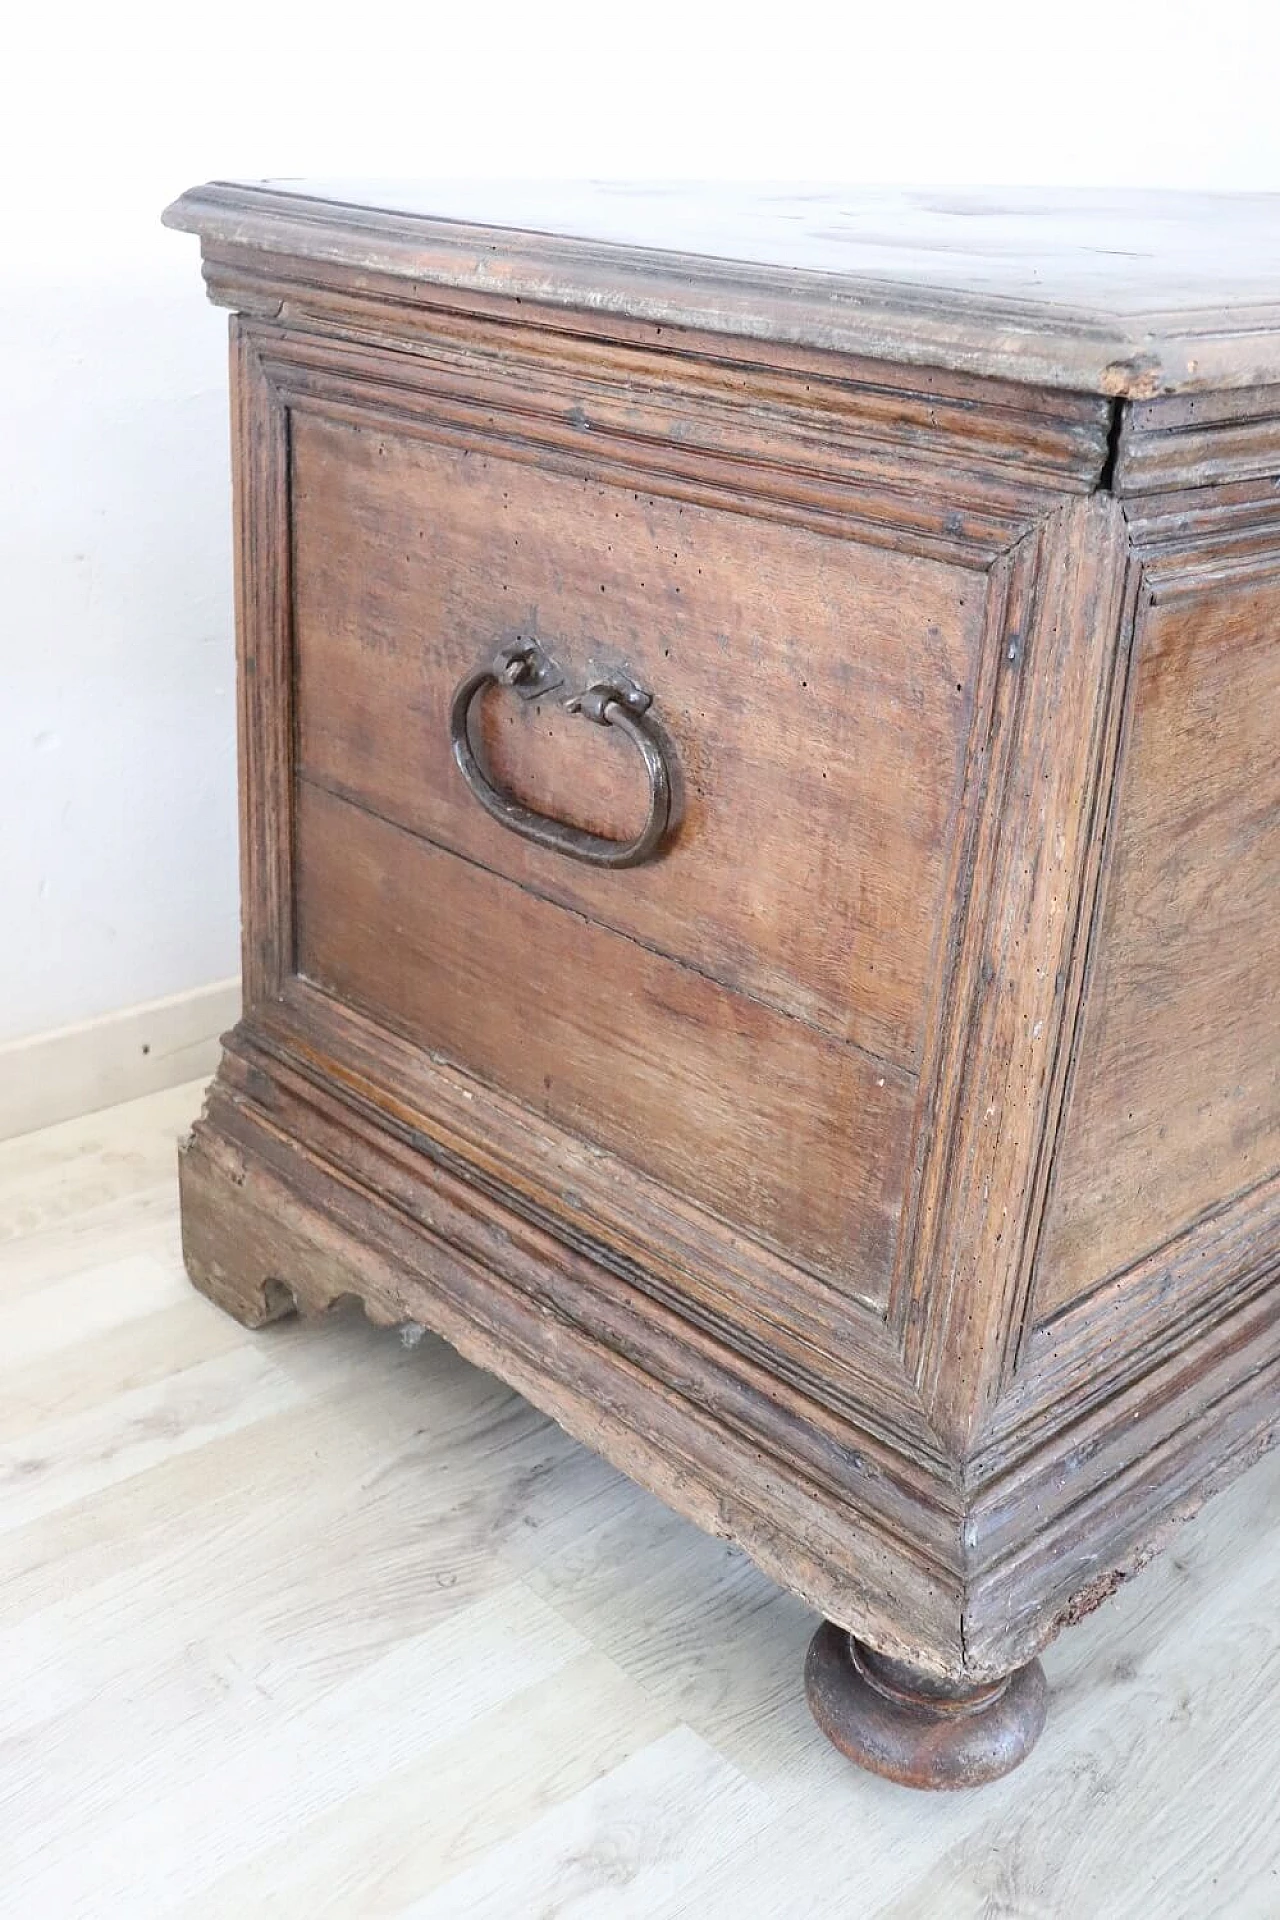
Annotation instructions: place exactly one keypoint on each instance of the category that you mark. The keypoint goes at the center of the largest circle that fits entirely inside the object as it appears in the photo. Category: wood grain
(1198, 440)
(1030, 878)
(816, 697)
(798, 1140)
(911, 458)
(264, 680)
(396, 1097)
(1176, 1103)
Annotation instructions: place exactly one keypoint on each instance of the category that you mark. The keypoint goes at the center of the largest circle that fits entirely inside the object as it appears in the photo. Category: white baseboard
(55, 1076)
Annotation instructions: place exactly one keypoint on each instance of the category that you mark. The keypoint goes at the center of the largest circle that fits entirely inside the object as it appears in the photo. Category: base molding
(296, 1194)
(120, 1056)
(268, 1225)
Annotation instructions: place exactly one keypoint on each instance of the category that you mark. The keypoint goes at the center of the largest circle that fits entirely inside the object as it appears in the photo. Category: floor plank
(616, 1847)
(309, 1623)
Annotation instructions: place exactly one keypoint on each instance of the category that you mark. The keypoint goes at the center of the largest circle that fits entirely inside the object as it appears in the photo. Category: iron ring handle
(608, 704)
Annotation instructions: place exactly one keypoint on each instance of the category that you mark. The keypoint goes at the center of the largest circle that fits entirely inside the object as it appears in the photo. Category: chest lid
(1125, 294)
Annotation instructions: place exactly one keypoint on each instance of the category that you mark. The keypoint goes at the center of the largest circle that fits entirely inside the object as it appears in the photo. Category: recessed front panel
(815, 695)
(741, 1015)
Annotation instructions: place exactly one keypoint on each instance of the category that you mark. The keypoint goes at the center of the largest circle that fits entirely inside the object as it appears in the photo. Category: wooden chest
(760, 746)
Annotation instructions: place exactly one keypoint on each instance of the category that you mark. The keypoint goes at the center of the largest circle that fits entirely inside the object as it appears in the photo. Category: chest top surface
(1131, 294)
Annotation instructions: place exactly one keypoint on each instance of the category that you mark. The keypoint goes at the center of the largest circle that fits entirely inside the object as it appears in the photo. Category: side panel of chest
(1145, 1349)
(1175, 1107)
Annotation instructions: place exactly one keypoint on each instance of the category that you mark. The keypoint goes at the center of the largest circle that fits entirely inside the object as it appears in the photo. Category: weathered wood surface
(816, 695)
(763, 1168)
(1176, 1101)
(798, 1140)
(1029, 873)
(1125, 294)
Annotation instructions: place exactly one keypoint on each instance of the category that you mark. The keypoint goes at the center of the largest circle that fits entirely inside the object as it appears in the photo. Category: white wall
(117, 837)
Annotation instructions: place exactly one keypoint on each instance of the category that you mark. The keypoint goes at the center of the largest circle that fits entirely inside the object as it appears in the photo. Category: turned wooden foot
(914, 1729)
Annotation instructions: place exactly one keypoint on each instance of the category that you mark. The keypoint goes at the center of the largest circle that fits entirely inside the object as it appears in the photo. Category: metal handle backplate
(612, 701)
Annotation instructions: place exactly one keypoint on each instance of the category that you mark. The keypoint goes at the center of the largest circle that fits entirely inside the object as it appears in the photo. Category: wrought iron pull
(614, 701)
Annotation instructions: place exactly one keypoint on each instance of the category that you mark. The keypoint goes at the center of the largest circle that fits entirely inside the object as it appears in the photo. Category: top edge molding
(1125, 296)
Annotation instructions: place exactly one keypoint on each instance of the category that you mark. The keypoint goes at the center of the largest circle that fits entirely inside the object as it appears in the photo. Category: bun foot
(914, 1729)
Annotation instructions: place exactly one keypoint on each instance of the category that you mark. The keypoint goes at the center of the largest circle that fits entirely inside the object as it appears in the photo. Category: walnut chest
(760, 779)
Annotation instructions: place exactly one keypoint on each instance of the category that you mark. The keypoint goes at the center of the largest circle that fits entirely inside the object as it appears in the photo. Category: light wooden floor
(308, 1623)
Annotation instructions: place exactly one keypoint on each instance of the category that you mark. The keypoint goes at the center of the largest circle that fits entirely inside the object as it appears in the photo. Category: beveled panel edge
(1003, 1026)
(1103, 801)
(998, 337)
(264, 667)
(1057, 1537)
(957, 508)
(911, 1305)
(1150, 1311)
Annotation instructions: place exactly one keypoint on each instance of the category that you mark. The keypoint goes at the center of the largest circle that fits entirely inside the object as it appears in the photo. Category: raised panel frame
(1186, 541)
(278, 372)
